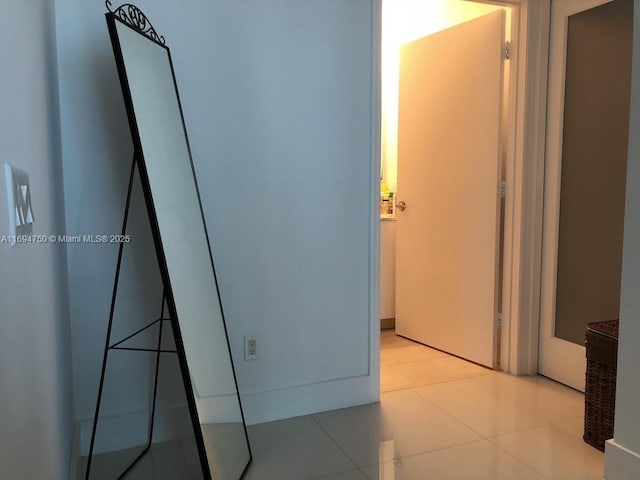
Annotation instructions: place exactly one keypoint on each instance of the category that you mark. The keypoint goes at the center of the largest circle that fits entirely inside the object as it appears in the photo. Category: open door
(449, 169)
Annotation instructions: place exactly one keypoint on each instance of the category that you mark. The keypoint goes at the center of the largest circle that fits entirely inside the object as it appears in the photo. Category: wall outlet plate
(19, 202)
(250, 348)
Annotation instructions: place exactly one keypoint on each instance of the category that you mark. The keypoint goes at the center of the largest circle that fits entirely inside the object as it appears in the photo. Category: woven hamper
(601, 341)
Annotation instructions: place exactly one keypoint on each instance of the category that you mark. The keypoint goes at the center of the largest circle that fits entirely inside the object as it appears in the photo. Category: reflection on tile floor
(177, 459)
(439, 418)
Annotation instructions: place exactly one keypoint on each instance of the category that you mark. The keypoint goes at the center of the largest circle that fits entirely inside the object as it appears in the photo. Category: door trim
(374, 199)
(525, 180)
(523, 237)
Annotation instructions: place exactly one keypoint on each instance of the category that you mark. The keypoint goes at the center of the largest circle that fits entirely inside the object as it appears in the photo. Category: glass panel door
(588, 123)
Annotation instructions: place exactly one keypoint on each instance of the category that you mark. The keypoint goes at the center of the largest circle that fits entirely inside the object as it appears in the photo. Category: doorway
(456, 12)
(586, 158)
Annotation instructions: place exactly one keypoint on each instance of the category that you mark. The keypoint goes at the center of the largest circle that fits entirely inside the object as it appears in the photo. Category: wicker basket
(600, 389)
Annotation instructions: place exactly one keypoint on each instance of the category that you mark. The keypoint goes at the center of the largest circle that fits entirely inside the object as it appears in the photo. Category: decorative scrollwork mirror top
(136, 19)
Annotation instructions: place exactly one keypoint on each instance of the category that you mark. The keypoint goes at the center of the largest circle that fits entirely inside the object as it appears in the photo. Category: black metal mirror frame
(135, 19)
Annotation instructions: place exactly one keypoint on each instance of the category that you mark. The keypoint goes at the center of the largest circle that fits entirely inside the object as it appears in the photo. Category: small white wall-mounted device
(19, 201)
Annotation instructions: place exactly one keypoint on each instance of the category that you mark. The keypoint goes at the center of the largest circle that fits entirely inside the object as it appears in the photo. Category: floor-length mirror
(182, 243)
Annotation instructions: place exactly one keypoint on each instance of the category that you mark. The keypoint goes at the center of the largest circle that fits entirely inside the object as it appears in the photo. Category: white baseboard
(75, 452)
(291, 402)
(620, 463)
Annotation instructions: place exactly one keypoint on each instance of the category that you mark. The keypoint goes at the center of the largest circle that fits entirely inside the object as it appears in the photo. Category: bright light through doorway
(404, 21)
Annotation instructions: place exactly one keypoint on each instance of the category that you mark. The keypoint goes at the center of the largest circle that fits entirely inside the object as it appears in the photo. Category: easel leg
(155, 394)
(111, 312)
(155, 381)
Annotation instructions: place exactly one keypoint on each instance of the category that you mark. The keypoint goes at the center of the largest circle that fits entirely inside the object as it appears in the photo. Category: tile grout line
(482, 438)
(439, 449)
(488, 439)
(440, 409)
(334, 441)
(446, 413)
(519, 460)
(417, 383)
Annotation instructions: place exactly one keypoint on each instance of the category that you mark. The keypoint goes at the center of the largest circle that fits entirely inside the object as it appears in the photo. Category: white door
(448, 175)
(585, 175)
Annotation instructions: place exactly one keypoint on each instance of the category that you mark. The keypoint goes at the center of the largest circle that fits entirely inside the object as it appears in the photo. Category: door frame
(523, 209)
(525, 199)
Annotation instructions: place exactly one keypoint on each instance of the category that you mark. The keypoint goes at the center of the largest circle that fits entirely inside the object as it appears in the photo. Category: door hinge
(499, 321)
(502, 188)
(507, 50)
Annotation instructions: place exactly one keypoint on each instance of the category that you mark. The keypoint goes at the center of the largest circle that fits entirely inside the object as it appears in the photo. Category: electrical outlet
(250, 348)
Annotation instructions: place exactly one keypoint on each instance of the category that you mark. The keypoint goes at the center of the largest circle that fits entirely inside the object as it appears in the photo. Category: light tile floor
(439, 418)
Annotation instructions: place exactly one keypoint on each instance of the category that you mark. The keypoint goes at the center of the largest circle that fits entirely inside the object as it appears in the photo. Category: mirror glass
(182, 244)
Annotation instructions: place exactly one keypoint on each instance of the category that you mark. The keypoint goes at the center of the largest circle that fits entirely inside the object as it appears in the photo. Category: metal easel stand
(119, 345)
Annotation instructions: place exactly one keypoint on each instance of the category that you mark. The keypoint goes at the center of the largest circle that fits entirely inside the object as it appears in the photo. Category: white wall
(277, 97)
(623, 453)
(35, 380)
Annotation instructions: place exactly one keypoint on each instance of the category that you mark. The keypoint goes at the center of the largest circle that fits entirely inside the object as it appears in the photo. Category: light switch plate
(19, 202)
